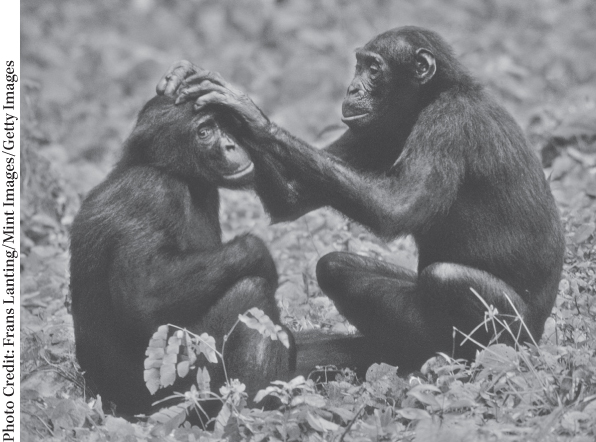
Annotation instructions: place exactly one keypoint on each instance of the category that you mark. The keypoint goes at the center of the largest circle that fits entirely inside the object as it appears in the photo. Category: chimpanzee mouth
(241, 173)
(352, 118)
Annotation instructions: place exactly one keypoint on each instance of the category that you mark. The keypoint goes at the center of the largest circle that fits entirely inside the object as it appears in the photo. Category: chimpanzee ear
(425, 65)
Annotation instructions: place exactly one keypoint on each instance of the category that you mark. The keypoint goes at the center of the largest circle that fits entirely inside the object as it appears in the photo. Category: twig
(349, 427)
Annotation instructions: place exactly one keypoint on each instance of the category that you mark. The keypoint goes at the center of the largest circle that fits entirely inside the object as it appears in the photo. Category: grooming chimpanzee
(427, 153)
(146, 251)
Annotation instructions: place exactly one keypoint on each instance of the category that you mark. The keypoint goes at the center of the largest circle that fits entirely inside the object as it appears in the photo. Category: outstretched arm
(391, 202)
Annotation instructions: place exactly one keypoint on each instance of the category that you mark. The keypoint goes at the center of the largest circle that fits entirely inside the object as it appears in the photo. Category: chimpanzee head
(192, 145)
(397, 74)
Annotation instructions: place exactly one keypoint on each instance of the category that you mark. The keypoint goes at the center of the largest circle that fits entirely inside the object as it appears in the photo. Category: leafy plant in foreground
(169, 358)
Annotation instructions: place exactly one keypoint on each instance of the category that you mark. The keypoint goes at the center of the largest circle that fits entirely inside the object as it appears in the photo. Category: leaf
(98, 408)
(266, 392)
(498, 357)
(222, 419)
(583, 232)
(170, 418)
(425, 387)
(186, 343)
(252, 322)
(206, 346)
(155, 353)
(319, 424)
(120, 427)
(203, 379)
(231, 431)
(378, 371)
(175, 339)
(152, 380)
(167, 375)
(183, 368)
(152, 363)
(173, 349)
(265, 326)
(413, 413)
(283, 337)
(192, 357)
(346, 415)
(314, 400)
(170, 359)
(297, 382)
(161, 333)
(157, 344)
(68, 414)
(425, 399)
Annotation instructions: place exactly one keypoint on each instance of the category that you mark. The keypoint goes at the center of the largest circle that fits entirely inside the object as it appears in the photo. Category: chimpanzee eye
(374, 70)
(204, 132)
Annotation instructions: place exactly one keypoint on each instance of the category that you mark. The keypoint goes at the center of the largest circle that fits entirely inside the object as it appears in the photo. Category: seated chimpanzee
(146, 250)
(428, 153)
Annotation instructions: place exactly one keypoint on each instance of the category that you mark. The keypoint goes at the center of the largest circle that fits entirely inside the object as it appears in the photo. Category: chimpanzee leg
(250, 357)
(449, 285)
(406, 320)
(382, 302)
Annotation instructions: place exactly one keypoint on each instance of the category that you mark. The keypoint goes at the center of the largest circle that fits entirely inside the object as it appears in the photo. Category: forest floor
(88, 67)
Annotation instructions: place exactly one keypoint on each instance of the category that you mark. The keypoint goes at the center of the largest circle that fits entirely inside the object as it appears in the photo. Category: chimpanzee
(428, 153)
(146, 250)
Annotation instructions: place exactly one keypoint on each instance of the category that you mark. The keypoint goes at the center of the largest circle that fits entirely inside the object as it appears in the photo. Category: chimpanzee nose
(229, 145)
(355, 90)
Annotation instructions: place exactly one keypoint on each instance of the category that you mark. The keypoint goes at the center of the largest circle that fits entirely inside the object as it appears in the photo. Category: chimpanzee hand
(175, 76)
(211, 88)
(260, 256)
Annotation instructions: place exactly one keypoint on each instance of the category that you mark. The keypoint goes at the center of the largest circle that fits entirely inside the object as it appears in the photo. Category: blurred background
(89, 65)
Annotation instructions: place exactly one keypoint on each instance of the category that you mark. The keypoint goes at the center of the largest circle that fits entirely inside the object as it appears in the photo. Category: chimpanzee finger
(214, 77)
(168, 84)
(188, 92)
(213, 97)
(175, 75)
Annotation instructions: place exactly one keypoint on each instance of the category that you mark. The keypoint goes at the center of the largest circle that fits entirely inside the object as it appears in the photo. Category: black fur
(146, 250)
(436, 157)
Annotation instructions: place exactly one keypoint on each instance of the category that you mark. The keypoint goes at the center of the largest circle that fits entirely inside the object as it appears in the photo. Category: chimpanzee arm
(282, 191)
(421, 185)
(174, 286)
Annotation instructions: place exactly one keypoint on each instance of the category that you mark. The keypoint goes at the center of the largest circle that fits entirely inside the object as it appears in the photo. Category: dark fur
(146, 250)
(440, 161)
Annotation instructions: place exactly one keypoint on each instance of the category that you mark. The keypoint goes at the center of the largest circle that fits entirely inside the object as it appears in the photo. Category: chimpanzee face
(189, 144)
(227, 162)
(387, 82)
